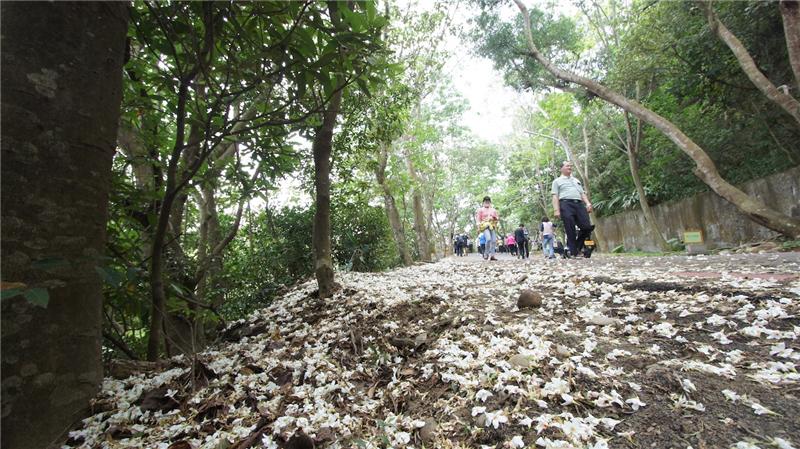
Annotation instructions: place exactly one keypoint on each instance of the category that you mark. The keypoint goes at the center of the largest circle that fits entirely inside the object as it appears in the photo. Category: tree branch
(748, 65)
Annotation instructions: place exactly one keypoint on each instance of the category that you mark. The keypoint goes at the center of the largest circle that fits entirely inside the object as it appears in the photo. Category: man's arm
(556, 207)
(586, 202)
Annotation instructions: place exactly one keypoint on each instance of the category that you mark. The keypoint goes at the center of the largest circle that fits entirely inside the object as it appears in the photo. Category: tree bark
(748, 65)
(391, 207)
(61, 92)
(585, 174)
(420, 225)
(634, 141)
(321, 238)
(158, 296)
(132, 145)
(790, 13)
(172, 190)
(633, 162)
(704, 166)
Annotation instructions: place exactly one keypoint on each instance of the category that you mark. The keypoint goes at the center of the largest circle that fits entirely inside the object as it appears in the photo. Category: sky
(492, 103)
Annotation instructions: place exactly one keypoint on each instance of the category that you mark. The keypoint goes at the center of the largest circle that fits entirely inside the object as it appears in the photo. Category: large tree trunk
(391, 207)
(420, 225)
(790, 13)
(321, 238)
(704, 166)
(61, 92)
(748, 65)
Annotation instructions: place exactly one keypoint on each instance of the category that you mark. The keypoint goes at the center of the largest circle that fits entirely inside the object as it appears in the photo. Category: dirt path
(639, 352)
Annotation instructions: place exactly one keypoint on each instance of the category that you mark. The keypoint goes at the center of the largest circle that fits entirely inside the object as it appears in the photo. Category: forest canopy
(406, 173)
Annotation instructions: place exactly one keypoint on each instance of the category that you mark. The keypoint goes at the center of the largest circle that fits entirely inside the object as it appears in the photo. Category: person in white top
(547, 228)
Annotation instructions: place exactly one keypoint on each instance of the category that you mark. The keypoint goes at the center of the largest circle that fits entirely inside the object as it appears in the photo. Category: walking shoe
(492, 258)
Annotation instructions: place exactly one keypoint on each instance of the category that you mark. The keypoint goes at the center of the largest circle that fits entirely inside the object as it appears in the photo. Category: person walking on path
(522, 241)
(462, 244)
(547, 229)
(482, 244)
(571, 204)
(511, 244)
(487, 220)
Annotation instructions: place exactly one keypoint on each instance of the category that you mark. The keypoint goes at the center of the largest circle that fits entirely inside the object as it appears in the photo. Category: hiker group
(570, 204)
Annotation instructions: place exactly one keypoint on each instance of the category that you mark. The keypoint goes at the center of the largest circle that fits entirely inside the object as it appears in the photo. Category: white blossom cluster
(565, 375)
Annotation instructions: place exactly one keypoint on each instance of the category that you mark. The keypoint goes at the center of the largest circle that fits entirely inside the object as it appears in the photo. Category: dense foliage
(222, 100)
(665, 55)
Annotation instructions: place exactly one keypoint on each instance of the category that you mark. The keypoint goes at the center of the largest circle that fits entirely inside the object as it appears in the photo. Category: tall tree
(390, 205)
(351, 63)
(420, 218)
(61, 92)
(321, 237)
(631, 146)
(705, 169)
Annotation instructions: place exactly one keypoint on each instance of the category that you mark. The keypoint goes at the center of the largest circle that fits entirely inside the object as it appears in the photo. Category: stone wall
(722, 224)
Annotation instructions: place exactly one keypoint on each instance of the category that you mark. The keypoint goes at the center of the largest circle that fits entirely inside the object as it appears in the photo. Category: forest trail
(624, 352)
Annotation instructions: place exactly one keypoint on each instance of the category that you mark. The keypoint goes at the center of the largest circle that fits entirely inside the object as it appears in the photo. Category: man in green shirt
(572, 205)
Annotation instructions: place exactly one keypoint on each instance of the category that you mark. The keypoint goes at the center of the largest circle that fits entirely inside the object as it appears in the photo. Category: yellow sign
(692, 237)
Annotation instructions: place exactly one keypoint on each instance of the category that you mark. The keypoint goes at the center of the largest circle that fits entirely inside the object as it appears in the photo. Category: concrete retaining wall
(722, 224)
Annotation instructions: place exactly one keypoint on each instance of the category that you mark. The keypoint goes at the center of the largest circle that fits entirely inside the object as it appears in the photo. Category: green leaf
(325, 59)
(133, 274)
(178, 289)
(10, 293)
(355, 19)
(322, 77)
(370, 10)
(305, 44)
(182, 27)
(38, 297)
(362, 84)
(110, 276)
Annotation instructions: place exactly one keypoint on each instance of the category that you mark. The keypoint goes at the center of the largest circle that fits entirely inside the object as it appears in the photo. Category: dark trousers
(522, 246)
(573, 213)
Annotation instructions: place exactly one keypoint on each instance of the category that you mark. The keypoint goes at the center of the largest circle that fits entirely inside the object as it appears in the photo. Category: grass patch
(791, 245)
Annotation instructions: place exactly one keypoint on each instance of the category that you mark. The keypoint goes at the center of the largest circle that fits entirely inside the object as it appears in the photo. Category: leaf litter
(622, 352)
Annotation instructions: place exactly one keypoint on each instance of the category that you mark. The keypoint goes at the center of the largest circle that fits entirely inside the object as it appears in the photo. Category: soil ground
(624, 352)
